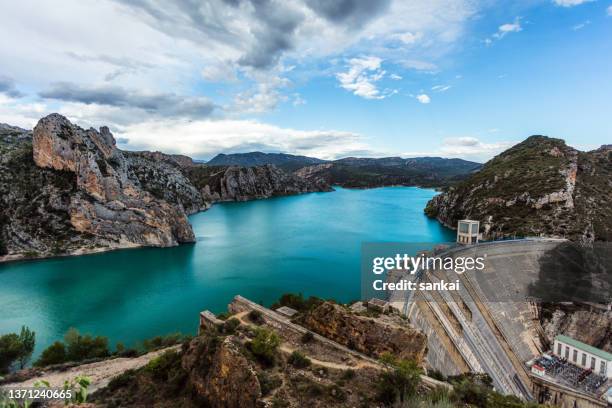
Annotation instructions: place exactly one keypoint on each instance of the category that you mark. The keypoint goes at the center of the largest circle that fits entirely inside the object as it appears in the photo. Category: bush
(268, 382)
(348, 374)
(230, 326)
(159, 342)
(54, 354)
(256, 317)
(265, 345)
(224, 315)
(297, 302)
(82, 347)
(399, 381)
(298, 360)
(307, 337)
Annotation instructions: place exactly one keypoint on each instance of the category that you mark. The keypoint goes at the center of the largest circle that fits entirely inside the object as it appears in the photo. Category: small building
(286, 311)
(467, 232)
(378, 305)
(583, 355)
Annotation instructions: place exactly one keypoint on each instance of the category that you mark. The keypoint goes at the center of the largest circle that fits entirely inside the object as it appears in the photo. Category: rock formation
(365, 334)
(108, 202)
(538, 187)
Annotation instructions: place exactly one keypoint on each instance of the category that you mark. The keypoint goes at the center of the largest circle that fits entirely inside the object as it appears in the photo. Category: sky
(450, 78)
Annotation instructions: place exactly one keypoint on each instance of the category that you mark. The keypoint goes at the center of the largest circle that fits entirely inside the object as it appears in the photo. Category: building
(467, 232)
(583, 355)
(286, 311)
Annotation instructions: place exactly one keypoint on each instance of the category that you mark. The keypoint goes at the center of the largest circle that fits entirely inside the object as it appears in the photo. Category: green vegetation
(255, 316)
(230, 326)
(307, 337)
(16, 348)
(76, 347)
(298, 302)
(298, 360)
(399, 381)
(159, 342)
(265, 345)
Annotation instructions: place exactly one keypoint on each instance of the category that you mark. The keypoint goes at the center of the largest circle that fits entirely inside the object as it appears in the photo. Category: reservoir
(259, 249)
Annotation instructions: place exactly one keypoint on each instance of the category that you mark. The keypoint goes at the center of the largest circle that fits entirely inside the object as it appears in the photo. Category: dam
(491, 323)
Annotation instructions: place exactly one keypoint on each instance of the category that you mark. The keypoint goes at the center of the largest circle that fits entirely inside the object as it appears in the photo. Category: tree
(27, 339)
(265, 344)
(10, 350)
(81, 347)
(16, 348)
(54, 354)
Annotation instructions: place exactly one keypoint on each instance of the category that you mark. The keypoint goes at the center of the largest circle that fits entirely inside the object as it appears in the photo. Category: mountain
(368, 172)
(284, 161)
(65, 190)
(538, 187)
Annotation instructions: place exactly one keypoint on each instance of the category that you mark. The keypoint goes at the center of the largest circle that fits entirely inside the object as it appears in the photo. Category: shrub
(297, 302)
(54, 354)
(268, 382)
(256, 317)
(307, 337)
(399, 381)
(265, 345)
(298, 360)
(224, 315)
(348, 374)
(159, 342)
(230, 326)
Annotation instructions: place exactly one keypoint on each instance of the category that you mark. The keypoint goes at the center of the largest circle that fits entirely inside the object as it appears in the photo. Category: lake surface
(260, 249)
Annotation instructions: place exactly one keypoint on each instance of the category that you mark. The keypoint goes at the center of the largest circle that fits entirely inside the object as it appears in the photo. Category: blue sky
(457, 78)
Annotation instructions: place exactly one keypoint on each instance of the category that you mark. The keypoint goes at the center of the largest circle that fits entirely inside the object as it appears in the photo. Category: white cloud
(423, 98)
(609, 10)
(570, 3)
(361, 78)
(418, 65)
(395, 77)
(469, 147)
(507, 28)
(408, 37)
(441, 88)
(581, 25)
(204, 139)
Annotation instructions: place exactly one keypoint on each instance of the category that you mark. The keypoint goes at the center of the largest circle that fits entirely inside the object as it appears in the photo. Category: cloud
(581, 25)
(441, 88)
(361, 77)
(507, 28)
(8, 87)
(418, 65)
(395, 77)
(423, 98)
(351, 12)
(155, 103)
(609, 11)
(570, 3)
(205, 138)
(471, 147)
(408, 37)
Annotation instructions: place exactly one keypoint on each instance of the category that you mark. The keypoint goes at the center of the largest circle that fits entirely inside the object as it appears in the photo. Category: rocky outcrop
(588, 325)
(371, 336)
(246, 183)
(538, 187)
(109, 202)
(220, 374)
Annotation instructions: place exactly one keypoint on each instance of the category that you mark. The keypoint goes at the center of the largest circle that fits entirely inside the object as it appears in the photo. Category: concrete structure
(583, 355)
(378, 305)
(286, 311)
(467, 232)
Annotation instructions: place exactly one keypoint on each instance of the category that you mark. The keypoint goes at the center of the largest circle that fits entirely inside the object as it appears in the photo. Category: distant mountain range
(288, 162)
(359, 172)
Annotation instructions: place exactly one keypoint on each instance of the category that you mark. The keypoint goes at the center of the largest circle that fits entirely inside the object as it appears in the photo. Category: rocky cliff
(221, 183)
(373, 337)
(538, 187)
(67, 190)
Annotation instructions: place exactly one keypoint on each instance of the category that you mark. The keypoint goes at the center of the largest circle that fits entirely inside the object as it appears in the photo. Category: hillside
(284, 161)
(367, 172)
(538, 187)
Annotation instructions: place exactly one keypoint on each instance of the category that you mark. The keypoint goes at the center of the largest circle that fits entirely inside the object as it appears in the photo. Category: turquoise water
(259, 249)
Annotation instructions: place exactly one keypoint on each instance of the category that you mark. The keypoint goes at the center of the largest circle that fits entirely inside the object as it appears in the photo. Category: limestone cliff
(221, 183)
(365, 334)
(538, 187)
